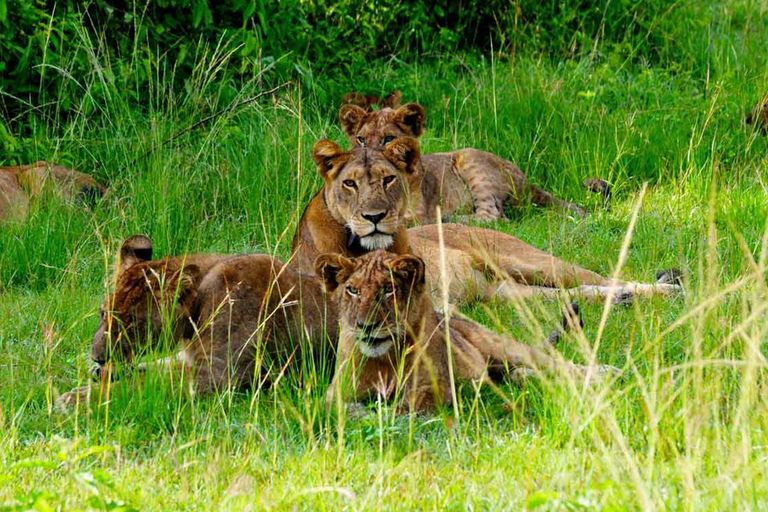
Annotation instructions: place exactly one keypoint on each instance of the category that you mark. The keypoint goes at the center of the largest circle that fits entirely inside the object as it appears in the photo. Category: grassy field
(685, 428)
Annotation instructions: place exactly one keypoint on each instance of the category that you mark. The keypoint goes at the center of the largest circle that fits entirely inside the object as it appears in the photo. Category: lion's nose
(375, 218)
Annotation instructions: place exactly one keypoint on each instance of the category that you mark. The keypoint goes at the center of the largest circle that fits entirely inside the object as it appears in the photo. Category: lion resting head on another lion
(393, 343)
(363, 202)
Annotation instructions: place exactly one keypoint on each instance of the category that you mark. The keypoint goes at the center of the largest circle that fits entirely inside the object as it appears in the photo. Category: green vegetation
(657, 98)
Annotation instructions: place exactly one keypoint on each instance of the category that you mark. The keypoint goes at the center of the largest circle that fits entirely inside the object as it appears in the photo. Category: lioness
(233, 316)
(362, 205)
(759, 116)
(463, 181)
(19, 183)
(393, 342)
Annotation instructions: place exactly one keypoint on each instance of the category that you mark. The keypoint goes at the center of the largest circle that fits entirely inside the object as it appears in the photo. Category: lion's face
(148, 296)
(367, 190)
(376, 129)
(379, 296)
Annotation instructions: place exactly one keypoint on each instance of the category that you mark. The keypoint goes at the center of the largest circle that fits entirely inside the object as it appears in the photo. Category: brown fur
(758, 116)
(393, 342)
(358, 184)
(21, 183)
(463, 181)
(367, 101)
(236, 319)
(481, 264)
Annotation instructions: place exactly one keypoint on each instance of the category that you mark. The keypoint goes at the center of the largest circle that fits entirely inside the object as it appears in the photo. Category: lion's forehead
(134, 285)
(366, 164)
(380, 123)
(372, 272)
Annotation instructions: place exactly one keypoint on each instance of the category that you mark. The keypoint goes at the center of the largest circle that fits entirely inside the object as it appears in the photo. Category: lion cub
(235, 319)
(393, 341)
(464, 181)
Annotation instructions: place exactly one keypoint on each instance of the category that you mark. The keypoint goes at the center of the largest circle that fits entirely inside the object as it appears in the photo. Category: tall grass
(686, 427)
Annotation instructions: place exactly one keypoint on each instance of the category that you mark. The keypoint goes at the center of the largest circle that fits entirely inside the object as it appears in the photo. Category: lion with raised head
(362, 206)
(21, 183)
(235, 319)
(466, 181)
(393, 342)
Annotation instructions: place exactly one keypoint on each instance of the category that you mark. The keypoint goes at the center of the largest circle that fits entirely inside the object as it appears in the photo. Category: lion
(362, 205)
(758, 116)
(235, 318)
(466, 182)
(20, 183)
(393, 342)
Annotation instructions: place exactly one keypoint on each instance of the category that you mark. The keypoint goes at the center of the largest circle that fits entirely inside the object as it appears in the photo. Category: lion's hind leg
(494, 182)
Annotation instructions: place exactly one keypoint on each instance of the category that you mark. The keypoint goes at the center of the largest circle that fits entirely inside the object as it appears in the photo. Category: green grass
(686, 428)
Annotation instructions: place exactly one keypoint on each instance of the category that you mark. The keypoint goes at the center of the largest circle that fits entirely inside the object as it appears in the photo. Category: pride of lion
(363, 288)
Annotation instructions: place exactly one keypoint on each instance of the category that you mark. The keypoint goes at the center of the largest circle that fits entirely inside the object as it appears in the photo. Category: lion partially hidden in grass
(362, 206)
(236, 319)
(21, 183)
(393, 342)
(467, 181)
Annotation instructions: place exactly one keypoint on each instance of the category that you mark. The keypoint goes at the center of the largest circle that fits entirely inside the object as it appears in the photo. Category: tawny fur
(237, 320)
(382, 303)
(481, 264)
(465, 181)
(21, 183)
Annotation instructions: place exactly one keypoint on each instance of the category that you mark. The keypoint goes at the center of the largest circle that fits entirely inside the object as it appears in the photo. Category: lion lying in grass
(235, 318)
(393, 342)
(362, 205)
(21, 183)
(466, 181)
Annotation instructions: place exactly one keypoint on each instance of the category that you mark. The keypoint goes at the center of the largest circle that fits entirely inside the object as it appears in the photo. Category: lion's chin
(377, 349)
(376, 241)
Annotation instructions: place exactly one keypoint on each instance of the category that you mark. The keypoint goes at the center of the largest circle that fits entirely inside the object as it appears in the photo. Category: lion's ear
(411, 269)
(411, 118)
(350, 117)
(135, 249)
(327, 155)
(333, 270)
(391, 100)
(183, 285)
(404, 153)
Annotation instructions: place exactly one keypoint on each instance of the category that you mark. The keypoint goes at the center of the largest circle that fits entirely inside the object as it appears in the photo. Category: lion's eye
(354, 292)
(361, 141)
(388, 291)
(350, 183)
(388, 139)
(389, 179)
